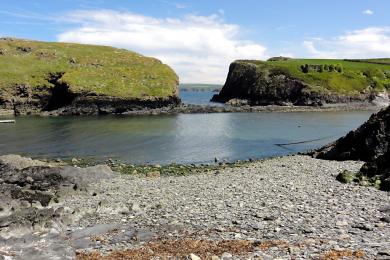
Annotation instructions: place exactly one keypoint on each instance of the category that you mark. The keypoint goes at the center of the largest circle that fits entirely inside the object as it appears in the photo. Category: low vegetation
(150, 170)
(97, 70)
(349, 77)
(359, 178)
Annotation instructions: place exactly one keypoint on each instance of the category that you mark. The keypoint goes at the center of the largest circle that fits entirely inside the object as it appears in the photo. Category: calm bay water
(189, 138)
(198, 98)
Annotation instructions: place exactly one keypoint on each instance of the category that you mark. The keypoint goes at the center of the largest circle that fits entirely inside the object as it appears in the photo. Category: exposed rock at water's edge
(369, 143)
(31, 190)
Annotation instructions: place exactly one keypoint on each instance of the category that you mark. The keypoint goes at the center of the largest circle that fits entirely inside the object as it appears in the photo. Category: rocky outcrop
(31, 193)
(369, 143)
(270, 85)
(62, 101)
(84, 105)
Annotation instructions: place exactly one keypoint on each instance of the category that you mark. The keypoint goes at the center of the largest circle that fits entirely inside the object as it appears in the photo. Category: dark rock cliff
(68, 103)
(275, 86)
(369, 143)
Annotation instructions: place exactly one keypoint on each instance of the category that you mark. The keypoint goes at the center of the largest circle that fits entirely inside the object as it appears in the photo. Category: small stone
(155, 174)
(194, 257)
(214, 257)
(385, 209)
(309, 230)
(74, 160)
(344, 236)
(364, 227)
(277, 229)
(270, 218)
(385, 219)
(226, 256)
(136, 208)
(293, 250)
(385, 252)
(380, 225)
(341, 223)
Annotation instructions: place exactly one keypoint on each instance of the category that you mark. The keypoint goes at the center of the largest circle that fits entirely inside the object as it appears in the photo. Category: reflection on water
(175, 138)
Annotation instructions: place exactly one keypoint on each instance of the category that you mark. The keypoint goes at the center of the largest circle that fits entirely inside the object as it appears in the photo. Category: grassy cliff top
(336, 75)
(84, 68)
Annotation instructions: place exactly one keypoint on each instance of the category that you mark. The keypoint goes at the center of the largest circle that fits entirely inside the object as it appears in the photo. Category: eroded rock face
(246, 81)
(64, 102)
(369, 143)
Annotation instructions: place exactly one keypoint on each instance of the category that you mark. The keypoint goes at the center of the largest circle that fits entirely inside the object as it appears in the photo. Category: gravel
(295, 199)
(288, 208)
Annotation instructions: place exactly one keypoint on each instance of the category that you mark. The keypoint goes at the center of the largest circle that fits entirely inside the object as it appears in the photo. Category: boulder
(369, 143)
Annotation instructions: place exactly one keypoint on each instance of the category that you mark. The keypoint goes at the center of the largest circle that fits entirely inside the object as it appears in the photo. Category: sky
(200, 38)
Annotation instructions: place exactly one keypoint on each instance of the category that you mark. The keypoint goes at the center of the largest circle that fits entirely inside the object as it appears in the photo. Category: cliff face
(275, 83)
(369, 143)
(259, 86)
(64, 78)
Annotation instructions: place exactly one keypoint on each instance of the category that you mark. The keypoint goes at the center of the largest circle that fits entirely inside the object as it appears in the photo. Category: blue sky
(199, 38)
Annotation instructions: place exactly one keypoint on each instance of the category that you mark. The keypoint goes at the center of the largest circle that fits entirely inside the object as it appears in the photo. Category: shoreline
(271, 208)
(205, 109)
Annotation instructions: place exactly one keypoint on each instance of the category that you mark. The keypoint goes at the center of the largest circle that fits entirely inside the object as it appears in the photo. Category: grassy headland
(340, 76)
(93, 69)
(308, 82)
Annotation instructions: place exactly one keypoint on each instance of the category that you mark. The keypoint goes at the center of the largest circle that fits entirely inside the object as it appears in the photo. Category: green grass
(355, 78)
(87, 69)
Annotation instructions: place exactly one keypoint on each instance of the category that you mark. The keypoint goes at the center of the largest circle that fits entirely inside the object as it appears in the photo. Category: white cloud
(368, 12)
(199, 48)
(365, 43)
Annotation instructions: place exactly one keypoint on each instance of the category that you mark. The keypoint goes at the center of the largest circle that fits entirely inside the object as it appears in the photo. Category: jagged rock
(369, 143)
